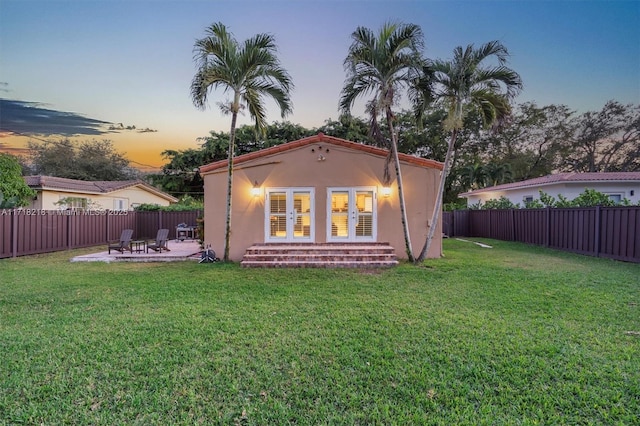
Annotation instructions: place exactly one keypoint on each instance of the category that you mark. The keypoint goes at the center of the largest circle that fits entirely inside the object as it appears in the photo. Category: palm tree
(474, 176)
(384, 65)
(249, 72)
(498, 173)
(464, 83)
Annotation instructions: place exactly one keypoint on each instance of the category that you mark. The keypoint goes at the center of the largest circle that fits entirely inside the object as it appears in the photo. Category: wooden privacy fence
(33, 231)
(612, 232)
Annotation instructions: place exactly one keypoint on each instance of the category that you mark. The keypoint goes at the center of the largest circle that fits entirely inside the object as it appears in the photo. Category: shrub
(186, 203)
(501, 203)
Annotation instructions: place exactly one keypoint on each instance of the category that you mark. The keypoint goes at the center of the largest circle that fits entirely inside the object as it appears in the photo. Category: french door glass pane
(302, 209)
(278, 214)
(340, 214)
(364, 204)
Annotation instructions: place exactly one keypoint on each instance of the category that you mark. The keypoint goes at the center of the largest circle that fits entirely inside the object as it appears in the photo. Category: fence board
(461, 222)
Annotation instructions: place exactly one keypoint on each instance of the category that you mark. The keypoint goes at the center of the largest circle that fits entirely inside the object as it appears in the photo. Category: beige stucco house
(319, 189)
(54, 193)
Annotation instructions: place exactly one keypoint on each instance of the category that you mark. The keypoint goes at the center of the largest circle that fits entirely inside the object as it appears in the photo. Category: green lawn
(509, 335)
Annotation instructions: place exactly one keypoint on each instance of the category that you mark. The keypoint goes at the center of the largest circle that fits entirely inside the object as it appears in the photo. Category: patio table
(138, 246)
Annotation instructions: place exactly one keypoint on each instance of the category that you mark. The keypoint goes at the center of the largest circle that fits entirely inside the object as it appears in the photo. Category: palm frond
(251, 70)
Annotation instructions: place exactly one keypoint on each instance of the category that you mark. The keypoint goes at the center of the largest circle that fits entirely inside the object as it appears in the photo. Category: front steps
(328, 255)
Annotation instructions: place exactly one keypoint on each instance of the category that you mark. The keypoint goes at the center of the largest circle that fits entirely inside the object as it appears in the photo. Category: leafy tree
(383, 65)
(250, 72)
(464, 83)
(186, 203)
(347, 127)
(606, 141)
(89, 160)
(532, 140)
(180, 175)
(14, 192)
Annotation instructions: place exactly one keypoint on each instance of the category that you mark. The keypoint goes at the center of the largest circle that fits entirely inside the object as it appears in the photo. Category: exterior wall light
(386, 191)
(255, 190)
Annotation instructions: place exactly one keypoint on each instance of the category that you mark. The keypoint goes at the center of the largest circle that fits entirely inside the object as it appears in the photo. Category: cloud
(34, 119)
(119, 126)
(147, 130)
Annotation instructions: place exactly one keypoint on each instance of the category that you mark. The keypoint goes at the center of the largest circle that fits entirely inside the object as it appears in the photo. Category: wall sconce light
(255, 190)
(386, 191)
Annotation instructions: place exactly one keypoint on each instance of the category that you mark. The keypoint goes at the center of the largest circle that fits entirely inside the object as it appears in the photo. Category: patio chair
(161, 241)
(124, 243)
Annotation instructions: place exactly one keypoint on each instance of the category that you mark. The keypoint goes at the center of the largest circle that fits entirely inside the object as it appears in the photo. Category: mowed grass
(508, 335)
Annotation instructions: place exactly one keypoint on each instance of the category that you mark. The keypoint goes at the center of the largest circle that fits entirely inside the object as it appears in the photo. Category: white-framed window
(527, 198)
(615, 197)
(73, 203)
(120, 204)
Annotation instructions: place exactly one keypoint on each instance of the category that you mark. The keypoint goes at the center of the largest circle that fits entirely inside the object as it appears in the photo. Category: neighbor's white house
(54, 193)
(617, 185)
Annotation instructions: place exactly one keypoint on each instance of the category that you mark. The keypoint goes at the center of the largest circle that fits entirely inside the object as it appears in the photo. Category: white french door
(351, 214)
(289, 215)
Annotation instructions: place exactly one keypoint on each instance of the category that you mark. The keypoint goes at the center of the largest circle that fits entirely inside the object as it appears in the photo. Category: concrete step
(319, 264)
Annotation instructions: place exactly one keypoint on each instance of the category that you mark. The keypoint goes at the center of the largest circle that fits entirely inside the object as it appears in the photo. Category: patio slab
(180, 251)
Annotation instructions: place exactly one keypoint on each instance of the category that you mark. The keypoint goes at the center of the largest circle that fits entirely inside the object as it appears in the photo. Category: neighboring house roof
(573, 177)
(53, 183)
(320, 138)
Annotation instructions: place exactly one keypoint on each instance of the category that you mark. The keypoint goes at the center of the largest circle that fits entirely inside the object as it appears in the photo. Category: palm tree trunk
(227, 229)
(438, 206)
(403, 210)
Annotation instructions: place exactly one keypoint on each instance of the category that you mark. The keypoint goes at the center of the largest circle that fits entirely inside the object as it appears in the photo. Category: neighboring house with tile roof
(319, 189)
(618, 185)
(107, 195)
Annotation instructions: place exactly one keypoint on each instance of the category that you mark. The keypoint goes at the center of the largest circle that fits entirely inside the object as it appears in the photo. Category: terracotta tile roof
(319, 138)
(562, 178)
(89, 187)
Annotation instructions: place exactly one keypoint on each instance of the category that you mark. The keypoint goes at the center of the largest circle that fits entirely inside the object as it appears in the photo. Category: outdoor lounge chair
(160, 242)
(124, 243)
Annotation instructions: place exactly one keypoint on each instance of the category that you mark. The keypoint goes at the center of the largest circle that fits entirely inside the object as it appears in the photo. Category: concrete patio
(179, 251)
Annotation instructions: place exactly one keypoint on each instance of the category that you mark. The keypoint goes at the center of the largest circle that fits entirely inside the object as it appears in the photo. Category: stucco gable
(317, 139)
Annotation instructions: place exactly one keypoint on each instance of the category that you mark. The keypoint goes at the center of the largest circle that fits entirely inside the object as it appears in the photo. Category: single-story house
(618, 185)
(54, 193)
(319, 189)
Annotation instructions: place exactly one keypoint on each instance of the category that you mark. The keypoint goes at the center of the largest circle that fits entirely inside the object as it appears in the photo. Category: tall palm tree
(249, 72)
(383, 65)
(465, 82)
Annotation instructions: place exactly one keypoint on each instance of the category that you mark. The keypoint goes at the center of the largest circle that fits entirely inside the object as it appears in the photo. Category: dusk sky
(84, 68)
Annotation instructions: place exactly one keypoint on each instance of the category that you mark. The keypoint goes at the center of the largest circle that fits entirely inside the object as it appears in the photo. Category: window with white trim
(120, 204)
(615, 197)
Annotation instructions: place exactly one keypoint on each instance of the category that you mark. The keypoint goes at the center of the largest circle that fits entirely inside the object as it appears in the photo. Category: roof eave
(319, 138)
